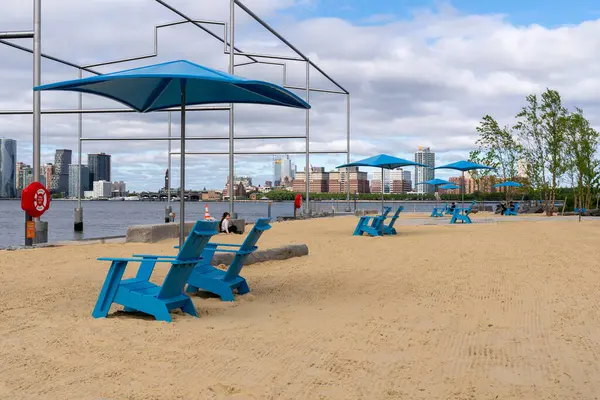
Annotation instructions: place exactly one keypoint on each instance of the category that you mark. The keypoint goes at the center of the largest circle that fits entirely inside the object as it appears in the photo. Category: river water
(111, 218)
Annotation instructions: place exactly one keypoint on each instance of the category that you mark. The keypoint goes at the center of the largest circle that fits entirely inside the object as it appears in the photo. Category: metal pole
(111, 110)
(41, 228)
(169, 209)
(381, 190)
(307, 174)
(348, 146)
(17, 35)
(231, 111)
(182, 169)
(78, 217)
(463, 189)
(37, 64)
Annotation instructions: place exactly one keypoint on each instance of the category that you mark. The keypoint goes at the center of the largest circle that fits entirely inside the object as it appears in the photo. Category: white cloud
(423, 81)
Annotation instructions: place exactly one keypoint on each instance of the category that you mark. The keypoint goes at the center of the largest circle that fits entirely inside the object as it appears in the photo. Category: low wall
(158, 232)
(360, 213)
(278, 253)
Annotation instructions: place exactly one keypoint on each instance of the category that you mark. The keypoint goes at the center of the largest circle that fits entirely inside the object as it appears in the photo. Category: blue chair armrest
(129, 259)
(153, 256)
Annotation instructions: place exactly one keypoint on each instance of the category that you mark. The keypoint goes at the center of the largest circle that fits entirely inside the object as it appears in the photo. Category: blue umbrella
(434, 182)
(508, 184)
(179, 83)
(464, 166)
(383, 161)
(450, 186)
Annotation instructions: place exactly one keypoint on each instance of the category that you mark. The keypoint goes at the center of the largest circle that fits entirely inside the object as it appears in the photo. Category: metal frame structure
(229, 49)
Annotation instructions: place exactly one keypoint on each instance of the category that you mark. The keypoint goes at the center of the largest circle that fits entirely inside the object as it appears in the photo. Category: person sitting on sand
(226, 226)
(502, 208)
(452, 206)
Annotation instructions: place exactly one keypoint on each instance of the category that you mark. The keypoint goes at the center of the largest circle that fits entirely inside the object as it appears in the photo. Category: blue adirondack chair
(389, 229)
(375, 228)
(223, 283)
(514, 210)
(462, 214)
(139, 294)
(439, 211)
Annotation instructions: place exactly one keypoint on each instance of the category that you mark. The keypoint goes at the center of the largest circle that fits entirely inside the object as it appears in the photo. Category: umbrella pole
(382, 189)
(182, 170)
(463, 189)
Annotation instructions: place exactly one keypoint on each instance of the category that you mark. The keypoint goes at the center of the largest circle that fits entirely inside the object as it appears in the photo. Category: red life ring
(35, 199)
(298, 201)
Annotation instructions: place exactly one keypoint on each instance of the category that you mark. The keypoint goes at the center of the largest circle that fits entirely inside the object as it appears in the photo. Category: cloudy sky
(420, 73)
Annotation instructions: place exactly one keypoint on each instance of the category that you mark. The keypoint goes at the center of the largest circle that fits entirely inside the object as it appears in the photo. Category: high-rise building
(8, 166)
(60, 176)
(338, 181)
(102, 189)
(288, 172)
(46, 172)
(400, 181)
(119, 189)
(277, 164)
(319, 180)
(99, 165)
(422, 174)
(19, 176)
(74, 179)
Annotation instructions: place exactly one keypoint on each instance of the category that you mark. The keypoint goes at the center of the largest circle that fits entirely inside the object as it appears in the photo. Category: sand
(483, 311)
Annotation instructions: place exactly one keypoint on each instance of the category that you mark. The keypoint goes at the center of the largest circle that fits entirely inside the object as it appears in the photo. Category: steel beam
(175, 139)
(111, 110)
(17, 35)
(255, 153)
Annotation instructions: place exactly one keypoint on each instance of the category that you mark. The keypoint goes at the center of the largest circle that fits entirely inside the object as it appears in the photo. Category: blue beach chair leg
(191, 289)
(109, 289)
(243, 288)
(189, 308)
(226, 294)
(162, 314)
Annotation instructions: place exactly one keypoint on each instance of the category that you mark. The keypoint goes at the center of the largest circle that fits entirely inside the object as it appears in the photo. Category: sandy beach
(504, 310)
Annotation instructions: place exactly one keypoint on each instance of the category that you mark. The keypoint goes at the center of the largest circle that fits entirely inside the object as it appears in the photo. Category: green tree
(554, 117)
(531, 137)
(480, 157)
(500, 149)
(581, 152)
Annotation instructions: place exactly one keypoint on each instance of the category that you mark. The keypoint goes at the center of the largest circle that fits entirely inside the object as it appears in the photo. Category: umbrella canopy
(464, 166)
(433, 182)
(508, 184)
(156, 87)
(449, 186)
(178, 83)
(383, 161)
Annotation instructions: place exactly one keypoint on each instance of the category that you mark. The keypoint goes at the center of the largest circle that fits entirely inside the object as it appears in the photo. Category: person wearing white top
(226, 226)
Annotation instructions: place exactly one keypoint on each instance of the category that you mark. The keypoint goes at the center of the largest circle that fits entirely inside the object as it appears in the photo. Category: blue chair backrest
(191, 251)
(248, 247)
(386, 211)
(398, 211)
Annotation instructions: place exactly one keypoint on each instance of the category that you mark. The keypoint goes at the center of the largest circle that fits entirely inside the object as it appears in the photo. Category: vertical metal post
(37, 64)
(231, 111)
(169, 209)
(78, 217)
(182, 169)
(41, 228)
(307, 174)
(348, 147)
